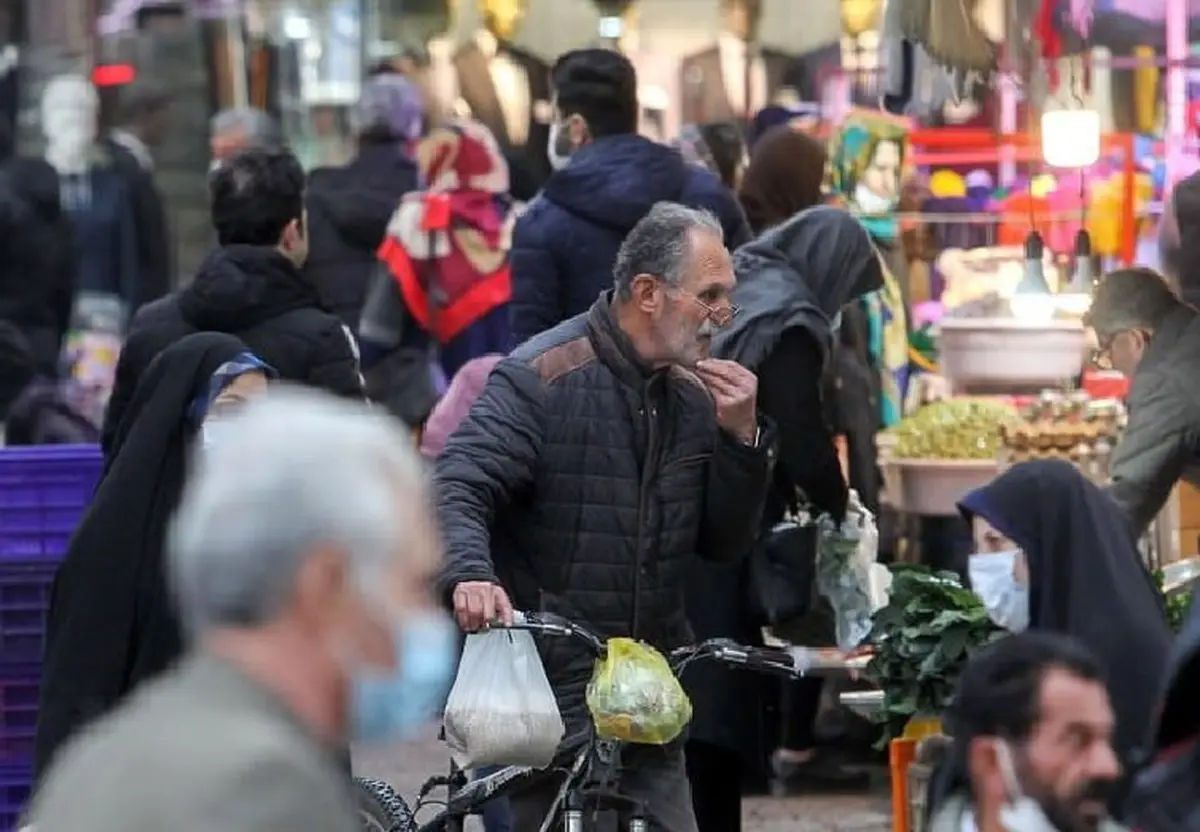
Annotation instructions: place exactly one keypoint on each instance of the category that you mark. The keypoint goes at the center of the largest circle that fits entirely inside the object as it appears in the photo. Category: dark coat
(348, 212)
(1164, 797)
(586, 483)
(1161, 443)
(565, 244)
(257, 295)
(37, 259)
(791, 283)
(156, 270)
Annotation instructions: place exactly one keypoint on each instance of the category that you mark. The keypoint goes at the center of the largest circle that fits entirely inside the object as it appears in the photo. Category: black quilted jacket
(585, 484)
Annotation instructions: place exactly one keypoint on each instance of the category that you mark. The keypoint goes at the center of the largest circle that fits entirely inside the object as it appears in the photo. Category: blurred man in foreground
(302, 579)
(1032, 727)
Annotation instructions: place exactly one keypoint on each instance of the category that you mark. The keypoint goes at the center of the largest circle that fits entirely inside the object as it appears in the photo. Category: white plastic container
(1005, 355)
(933, 487)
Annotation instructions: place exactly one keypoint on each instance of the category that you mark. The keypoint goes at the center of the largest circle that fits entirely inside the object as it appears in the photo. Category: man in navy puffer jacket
(606, 179)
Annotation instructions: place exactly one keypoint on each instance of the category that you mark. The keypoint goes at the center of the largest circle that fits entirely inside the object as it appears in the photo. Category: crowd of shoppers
(625, 389)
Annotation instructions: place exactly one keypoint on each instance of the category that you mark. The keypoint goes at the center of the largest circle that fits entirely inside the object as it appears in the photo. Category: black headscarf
(799, 273)
(111, 624)
(1086, 579)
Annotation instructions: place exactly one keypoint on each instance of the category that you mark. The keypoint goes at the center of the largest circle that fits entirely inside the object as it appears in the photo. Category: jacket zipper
(648, 466)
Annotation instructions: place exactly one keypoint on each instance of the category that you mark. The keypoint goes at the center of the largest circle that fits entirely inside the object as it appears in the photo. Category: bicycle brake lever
(431, 784)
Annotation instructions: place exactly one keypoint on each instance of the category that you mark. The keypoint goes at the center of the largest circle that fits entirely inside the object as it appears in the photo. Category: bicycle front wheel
(381, 808)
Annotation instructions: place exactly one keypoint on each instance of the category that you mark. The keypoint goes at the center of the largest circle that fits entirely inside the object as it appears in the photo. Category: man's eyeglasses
(719, 315)
(1101, 357)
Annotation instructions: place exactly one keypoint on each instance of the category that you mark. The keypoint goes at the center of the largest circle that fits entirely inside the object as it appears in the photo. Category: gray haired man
(302, 578)
(603, 456)
(1144, 331)
(243, 128)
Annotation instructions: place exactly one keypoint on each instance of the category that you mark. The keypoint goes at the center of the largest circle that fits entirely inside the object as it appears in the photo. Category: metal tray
(865, 703)
(1180, 575)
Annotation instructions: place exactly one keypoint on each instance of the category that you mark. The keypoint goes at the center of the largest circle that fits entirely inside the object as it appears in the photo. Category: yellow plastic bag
(634, 697)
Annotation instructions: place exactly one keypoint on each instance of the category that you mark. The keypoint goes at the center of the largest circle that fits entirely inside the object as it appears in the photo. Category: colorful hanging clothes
(447, 246)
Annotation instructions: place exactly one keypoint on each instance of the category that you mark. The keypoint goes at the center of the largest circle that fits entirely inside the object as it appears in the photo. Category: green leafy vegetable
(922, 640)
(1177, 604)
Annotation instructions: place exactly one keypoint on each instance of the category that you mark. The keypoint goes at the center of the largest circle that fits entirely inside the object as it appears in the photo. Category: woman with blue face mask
(1053, 552)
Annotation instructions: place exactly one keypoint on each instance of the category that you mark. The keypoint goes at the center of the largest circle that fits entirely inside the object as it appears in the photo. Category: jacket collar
(1166, 335)
(613, 346)
(949, 816)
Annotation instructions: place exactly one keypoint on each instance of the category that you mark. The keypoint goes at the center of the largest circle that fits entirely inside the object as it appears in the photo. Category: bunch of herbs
(922, 639)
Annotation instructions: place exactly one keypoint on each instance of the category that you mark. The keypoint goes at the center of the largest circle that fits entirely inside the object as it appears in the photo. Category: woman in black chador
(111, 623)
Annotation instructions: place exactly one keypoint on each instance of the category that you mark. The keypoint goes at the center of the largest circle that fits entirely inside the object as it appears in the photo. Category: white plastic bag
(846, 556)
(502, 710)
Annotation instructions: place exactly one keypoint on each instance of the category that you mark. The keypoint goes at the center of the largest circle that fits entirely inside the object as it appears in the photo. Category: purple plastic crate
(18, 711)
(43, 493)
(16, 783)
(24, 602)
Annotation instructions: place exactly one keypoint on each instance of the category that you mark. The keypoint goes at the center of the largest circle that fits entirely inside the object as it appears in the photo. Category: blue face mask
(994, 580)
(395, 704)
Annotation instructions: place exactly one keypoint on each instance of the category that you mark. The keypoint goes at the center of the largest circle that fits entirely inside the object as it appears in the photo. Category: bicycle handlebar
(723, 650)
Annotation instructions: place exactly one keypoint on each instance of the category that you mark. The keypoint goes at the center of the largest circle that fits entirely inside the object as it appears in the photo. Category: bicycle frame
(466, 798)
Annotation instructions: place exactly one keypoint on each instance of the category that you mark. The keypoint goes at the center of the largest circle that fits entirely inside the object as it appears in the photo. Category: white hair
(295, 471)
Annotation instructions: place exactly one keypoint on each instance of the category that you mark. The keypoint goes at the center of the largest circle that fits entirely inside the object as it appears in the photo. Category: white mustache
(707, 329)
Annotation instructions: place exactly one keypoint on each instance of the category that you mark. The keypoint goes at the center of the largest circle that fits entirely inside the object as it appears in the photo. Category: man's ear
(983, 770)
(645, 294)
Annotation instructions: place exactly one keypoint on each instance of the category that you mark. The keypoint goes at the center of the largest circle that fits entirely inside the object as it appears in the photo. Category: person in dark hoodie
(37, 266)
(252, 286)
(1054, 553)
(606, 179)
(792, 282)
(1179, 239)
(1164, 797)
(349, 207)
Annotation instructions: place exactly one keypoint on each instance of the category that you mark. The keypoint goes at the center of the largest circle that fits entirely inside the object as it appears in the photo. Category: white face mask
(835, 323)
(210, 432)
(993, 579)
(558, 154)
(1022, 813)
(870, 202)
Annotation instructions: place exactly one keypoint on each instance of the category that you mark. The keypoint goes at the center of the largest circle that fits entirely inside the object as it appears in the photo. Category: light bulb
(1070, 138)
(1081, 275)
(1034, 280)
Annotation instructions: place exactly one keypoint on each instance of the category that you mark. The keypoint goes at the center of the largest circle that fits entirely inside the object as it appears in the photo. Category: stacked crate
(43, 493)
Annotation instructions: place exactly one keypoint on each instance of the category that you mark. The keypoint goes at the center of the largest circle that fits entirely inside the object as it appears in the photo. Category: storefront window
(319, 50)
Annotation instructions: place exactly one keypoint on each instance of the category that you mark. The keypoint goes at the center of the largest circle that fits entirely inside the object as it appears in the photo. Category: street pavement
(406, 767)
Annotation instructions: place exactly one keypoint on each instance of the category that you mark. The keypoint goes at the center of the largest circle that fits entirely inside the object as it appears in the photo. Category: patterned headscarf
(457, 231)
(390, 103)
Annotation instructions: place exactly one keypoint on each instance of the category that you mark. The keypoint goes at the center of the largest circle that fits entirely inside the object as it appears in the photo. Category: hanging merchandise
(955, 39)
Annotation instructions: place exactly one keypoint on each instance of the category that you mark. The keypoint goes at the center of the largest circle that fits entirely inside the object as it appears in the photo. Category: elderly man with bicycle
(602, 457)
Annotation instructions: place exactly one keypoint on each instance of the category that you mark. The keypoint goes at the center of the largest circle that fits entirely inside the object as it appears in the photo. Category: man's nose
(1104, 762)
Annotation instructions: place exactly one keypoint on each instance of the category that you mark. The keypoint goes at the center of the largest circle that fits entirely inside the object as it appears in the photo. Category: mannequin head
(69, 109)
(503, 17)
(740, 18)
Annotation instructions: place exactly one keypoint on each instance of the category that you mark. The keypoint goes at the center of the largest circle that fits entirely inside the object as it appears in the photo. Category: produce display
(1069, 426)
(922, 639)
(994, 306)
(959, 428)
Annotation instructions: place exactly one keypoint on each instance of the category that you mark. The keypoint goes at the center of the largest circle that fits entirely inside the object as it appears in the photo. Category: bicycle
(593, 766)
